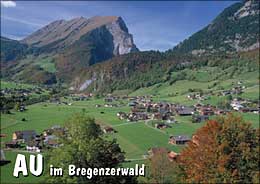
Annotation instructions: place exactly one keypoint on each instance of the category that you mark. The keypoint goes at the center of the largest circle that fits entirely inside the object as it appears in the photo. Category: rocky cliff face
(61, 34)
(123, 41)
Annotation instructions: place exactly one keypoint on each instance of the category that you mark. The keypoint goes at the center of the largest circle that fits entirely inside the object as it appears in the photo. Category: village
(161, 115)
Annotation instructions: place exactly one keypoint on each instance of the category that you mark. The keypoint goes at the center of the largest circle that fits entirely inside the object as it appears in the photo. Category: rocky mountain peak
(63, 33)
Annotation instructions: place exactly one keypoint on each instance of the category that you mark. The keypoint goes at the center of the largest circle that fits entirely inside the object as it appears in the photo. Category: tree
(225, 150)
(83, 146)
(17, 106)
(161, 169)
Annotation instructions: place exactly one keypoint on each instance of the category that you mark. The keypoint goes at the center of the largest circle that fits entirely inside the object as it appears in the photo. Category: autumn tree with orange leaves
(225, 150)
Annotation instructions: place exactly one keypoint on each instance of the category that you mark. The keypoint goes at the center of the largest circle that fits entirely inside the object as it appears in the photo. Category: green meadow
(135, 138)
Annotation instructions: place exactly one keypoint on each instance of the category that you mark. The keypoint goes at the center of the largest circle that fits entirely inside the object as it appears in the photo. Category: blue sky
(155, 25)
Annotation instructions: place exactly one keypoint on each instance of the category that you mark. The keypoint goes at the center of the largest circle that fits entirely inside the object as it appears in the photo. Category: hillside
(136, 71)
(223, 42)
(235, 29)
(72, 52)
(12, 50)
(70, 45)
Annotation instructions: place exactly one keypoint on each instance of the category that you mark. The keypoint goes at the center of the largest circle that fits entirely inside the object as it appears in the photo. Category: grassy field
(46, 63)
(11, 85)
(135, 138)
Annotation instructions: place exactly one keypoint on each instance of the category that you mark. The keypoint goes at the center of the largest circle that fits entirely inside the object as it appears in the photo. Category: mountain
(61, 34)
(235, 29)
(98, 54)
(232, 33)
(71, 45)
(11, 49)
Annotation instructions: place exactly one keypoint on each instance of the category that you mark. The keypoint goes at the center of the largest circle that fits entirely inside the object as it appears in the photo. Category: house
(107, 130)
(132, 117)
(191, 96)
(12, 144)
(219, 112)
(25, 135)
(54, 130)
(132, 104)
(157, 115)
(250, 109)
(109, 99)
(135, 116)
(199, 118)
(236, 90)
(180, 139)
(225, 93)
(52, 143)
(185, 111)
(161, 125)
(172, 155)
(171, 120)
(22, 108)
(138, 108)
(195, 140)
(206, 111)
(33, 146)
(161, 150)
(121, 115)
(236, 105)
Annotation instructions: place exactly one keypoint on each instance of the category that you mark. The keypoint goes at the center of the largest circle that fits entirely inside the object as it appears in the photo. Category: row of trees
(225, 150)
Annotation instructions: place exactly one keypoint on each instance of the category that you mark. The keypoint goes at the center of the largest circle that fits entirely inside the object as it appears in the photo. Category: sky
(154, 25)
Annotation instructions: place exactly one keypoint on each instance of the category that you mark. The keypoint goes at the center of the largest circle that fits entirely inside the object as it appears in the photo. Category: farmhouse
(109, 99)
(121, 115)
(161, 125)
(52, 143)
(25, 135)
(180, 139)
(236, 105)
(172, 155)
(22, 108)
(220, 112)
(132, 104)
(206, 110)
(225, 93)
(137, 116)
(56, 129)
(107, 130)
(12, 144)
(33, 146)
(185, 111)
(199, 118)
(161, 150)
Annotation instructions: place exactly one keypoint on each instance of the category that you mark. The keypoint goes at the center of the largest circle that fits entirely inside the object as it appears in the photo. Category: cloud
(14, 37)
(8, 4)
(34, 24)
